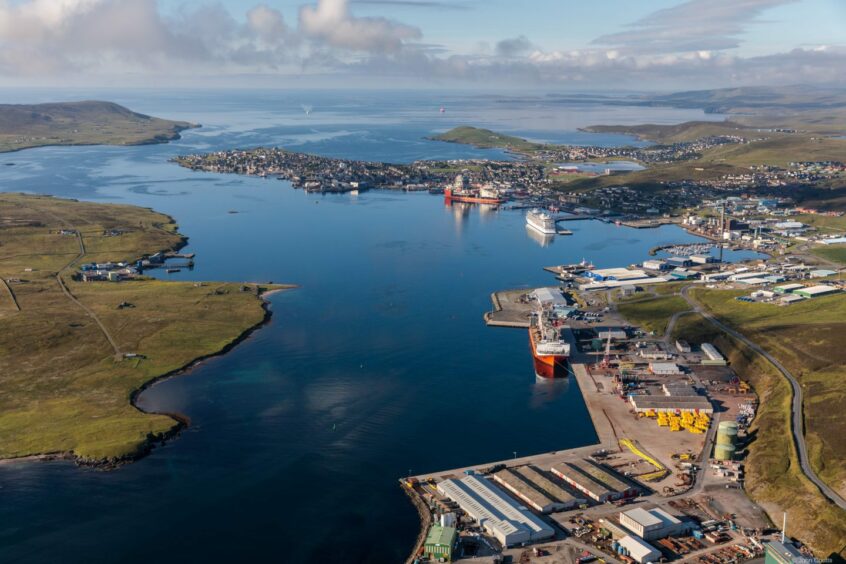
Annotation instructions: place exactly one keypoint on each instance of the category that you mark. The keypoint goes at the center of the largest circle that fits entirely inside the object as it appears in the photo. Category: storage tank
(727, 433)
(723, 452)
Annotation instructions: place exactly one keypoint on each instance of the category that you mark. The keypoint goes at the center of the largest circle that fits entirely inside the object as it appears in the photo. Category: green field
(834, 253)
(63, 388)
(24, 126)
(807, 338)
(653, 314)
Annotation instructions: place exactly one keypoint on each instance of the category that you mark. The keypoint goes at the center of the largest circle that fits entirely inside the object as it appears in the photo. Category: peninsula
(85, 331)
(23, 126)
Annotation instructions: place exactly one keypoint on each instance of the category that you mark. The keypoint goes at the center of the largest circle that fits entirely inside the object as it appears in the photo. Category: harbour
(321, 409)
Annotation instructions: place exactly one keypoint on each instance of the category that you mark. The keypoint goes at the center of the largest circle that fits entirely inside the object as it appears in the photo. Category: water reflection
(542, 239)
(548, 390)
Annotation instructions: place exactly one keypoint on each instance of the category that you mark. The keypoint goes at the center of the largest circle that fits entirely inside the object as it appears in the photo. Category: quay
(510, 309)
(634, 458)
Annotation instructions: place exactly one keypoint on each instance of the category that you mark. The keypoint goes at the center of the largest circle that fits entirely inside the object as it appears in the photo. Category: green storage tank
(727, 433)
(723, 452)
(597, 344)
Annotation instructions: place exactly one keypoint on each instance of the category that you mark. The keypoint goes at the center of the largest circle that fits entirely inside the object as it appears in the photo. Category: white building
(508, 522)
(664, 368)
(651, 524)
(639, 550)
(549, 296)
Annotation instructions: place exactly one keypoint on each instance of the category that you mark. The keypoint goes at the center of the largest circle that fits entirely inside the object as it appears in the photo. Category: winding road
(797, 426)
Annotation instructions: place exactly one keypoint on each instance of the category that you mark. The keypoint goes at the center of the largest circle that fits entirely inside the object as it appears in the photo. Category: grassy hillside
(63, 387)
(687, 131)
(805, 337)
(485, 139)
(81, 123)
(653, 314)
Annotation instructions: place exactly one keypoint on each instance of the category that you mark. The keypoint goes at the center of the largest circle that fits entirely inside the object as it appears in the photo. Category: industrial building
(540, 481)
(639, 550)
(783, 553)
(652, 524)
(506, 520)
(821, 273)
(440, 543)
(713, 356)
(817, 291)
(787, 288)
(613, 334)
(594, 481)
(617, 274)
(655, 264)
(679, 262)
(664, 368)
(677, 389)
(609, 284)
(549, 296)
(526, 493)
(683, 346)
(671, 404)
(744, 275)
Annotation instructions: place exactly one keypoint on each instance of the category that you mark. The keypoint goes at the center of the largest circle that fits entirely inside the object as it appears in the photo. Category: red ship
(549, 350)
(471, 197)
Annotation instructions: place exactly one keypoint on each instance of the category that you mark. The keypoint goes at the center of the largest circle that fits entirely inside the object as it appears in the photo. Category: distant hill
(687, 131)
(81, 123)
(760, 98)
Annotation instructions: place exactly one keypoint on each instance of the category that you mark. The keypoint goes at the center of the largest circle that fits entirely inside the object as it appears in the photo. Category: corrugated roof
(441, 536)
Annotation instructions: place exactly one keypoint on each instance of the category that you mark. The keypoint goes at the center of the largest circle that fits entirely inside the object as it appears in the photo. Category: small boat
(172, 270)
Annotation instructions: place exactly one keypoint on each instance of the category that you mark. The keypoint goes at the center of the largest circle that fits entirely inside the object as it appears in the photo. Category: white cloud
(694, 25)
(687, 45)
(331, 21)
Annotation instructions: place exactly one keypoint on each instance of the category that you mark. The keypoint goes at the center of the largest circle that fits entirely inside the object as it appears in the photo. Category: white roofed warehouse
(651, 524)
(639, 550)
(509, 522)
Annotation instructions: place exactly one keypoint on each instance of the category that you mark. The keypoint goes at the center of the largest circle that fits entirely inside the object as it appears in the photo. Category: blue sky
(662, 44)
(571, 24)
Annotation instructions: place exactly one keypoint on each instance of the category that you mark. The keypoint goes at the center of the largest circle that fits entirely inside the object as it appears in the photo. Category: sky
(511, 44)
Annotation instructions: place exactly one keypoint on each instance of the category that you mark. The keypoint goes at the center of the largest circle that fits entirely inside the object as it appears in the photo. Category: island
(90, 122)
(85, 330)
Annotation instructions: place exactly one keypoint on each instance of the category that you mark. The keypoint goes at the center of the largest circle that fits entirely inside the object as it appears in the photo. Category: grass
(486, 139)
(62, 388)
(653, 314)
(687, 131)
(806, 338)
(80, 123)
(834, 253)
(824, 223)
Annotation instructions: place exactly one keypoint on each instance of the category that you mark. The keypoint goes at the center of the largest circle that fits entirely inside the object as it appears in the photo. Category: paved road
(797, 426)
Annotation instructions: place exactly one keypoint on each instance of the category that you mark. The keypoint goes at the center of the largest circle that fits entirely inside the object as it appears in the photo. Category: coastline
(161, 139)
(181, 420)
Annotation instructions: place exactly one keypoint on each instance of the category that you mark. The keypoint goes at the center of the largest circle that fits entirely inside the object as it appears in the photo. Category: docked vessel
(541, 222)
(460, 192)
(549, 348)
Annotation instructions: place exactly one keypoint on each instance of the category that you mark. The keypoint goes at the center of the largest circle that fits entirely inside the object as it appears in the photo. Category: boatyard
(663, 480)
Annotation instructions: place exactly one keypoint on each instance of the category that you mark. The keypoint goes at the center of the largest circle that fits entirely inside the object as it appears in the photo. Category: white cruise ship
(541, 221)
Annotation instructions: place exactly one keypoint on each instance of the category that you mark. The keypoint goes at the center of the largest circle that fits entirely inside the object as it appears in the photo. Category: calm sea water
(379, 364)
